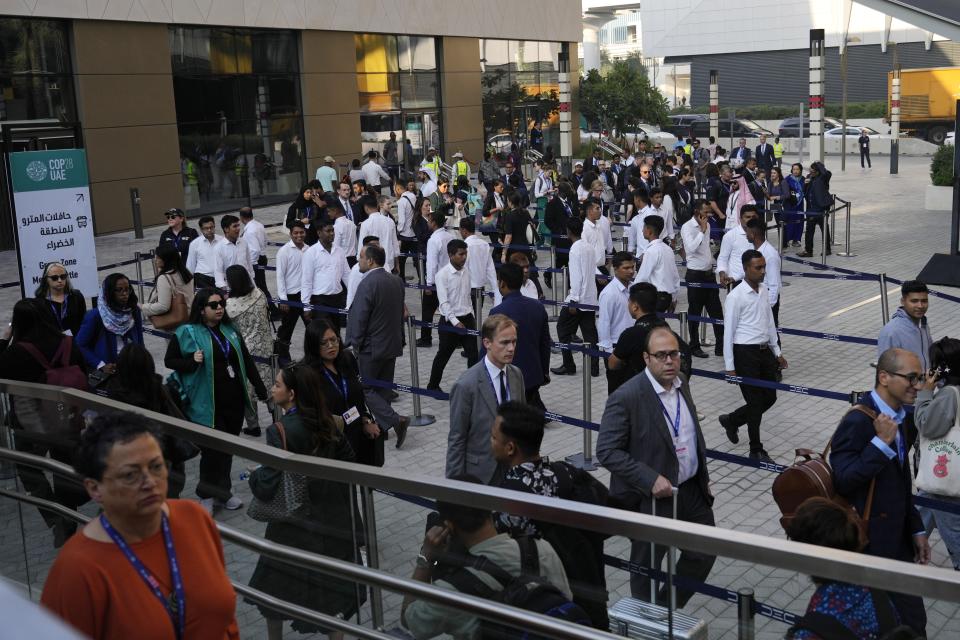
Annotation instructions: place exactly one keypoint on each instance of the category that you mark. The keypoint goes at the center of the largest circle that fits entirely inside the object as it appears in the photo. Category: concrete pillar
(461, 99)
(592, 22)
(895, 121)
(817, 93)
(715, 104)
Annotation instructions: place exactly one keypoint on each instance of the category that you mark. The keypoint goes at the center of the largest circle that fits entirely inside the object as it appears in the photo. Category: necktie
(503, 389)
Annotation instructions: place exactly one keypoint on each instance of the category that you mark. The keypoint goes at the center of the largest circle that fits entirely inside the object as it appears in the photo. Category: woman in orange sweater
(147, 568)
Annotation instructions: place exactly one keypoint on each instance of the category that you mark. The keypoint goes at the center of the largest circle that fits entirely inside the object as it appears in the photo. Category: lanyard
(224, 345)
(61, 315)
(676, 420)
(175, 605)
(342, 387)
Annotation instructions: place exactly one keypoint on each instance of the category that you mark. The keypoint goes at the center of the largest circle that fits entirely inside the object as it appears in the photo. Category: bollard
(136, 256)
(137, 218)
(419, 419)
(373, 553)
(274, 370)
(684, 328)
(884, 303)
(745, 607)
(584, 460)
(846, 253)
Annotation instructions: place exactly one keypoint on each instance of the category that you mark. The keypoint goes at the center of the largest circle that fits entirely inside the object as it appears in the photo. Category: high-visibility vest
(461, 168)
(191, 171)
(778, 150)
(434, 165)
(688, 149)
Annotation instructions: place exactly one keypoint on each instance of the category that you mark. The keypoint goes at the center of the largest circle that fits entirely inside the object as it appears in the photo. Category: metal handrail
(872, 571)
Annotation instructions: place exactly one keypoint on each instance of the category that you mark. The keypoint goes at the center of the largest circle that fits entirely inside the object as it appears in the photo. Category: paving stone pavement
(881, 205)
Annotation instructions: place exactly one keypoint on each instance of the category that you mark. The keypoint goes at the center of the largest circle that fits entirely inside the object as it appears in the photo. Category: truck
(928, 101)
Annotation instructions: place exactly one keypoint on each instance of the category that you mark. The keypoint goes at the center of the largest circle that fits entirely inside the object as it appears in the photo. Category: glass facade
(520, 83)
(398, 81)
(237, 94)
(35, 80)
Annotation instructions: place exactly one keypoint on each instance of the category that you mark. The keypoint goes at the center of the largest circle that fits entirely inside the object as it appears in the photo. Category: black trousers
(260, 280)
(287, 324)
(337, 301)
(865, 154)
(203, 281)
(429, 307)
(65, 491)
(699, 299)
(448, 344)
(567, 326)
(534, 399)
(754, 361)
(813, 222)
(408, 246)
(215, 466)
(692, 506)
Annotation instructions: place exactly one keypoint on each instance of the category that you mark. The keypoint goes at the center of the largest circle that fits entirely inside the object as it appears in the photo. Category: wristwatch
(424, 563)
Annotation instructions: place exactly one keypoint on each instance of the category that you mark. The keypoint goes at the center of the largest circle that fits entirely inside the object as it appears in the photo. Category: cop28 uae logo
(36, 171)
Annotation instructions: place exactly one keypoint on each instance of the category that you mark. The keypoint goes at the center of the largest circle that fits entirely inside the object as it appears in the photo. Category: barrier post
(584, 460)
(684, 328)
(477, 309)
(137, 218)
(274, 370)
(137, 257)
(833, 217)
(846, 253)
(884, 303)
(823, 240)
(373, 552)
(419, 419)
(745, 607)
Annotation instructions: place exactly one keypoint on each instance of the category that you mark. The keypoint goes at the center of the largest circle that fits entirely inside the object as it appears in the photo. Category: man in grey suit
(475, 397)
(375, 331)
(650, 441)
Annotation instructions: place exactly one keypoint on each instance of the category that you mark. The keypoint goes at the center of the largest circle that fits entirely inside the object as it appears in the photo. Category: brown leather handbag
(176, 315)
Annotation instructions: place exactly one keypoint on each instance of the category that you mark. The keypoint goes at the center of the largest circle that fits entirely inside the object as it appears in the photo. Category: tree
(622, 99)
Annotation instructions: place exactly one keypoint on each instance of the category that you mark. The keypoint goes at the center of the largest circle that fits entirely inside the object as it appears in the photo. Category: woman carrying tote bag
(169, 304)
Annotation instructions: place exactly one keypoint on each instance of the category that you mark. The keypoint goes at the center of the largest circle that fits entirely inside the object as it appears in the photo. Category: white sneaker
(207, 504)
(232, 504)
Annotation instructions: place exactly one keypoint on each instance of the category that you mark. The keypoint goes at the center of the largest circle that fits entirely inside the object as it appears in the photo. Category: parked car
(790, 127)
(850, 132)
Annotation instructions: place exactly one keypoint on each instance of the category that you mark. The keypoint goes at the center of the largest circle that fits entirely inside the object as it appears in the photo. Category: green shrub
(941, 167)
(855, 110)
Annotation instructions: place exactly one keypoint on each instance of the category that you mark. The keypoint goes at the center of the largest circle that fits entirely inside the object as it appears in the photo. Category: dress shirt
(437, 256)
(772, 277)
(480, 266)
(229, 254)
(685, 440)
(405, 214)
(732, 246)
(453, 293)
(582, 266)
(651, 210)
(529, 290)
(324, 273)
(636, 243)
(542, 185)
(327, 176)
(203, 257)
(347, 208)
(255, 236)
(495, 372)
(747, 319)
(345, 236)
(614, 316)
(659, 268)
(696, 246)
(593, 236)
(289, 262)
(373, 173)
(353, 281)
(603, 224)
(381, 226)
(898, 417)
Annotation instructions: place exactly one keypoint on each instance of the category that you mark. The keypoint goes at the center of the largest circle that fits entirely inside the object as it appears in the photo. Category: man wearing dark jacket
(558, 211)
(816, 193)
(870, 464)
(764, 154)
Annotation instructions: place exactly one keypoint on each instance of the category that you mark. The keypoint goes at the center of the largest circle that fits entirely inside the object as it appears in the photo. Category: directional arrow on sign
(80, 197)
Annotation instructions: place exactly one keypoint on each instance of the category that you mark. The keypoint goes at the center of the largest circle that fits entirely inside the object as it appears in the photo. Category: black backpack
(529, 591)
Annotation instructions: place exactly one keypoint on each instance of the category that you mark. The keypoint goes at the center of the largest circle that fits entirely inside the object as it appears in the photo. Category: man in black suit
(558, 211)
(650, 441)
(764, 155)
(870, 456)
(375, 331)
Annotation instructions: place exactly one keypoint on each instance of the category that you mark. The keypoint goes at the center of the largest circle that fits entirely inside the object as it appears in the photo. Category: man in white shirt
(695, 235)
(636, 243)
(528, 289)
(324, 276)
(344, 232)
(203, 260)
(373, 173)
(437, 258)
(456, 310)
(406, 199)
(750, 350)
(231, 250)
(614, 316)
(659, 266)
(583, 291)
(655, 209)
(479, 263)
(382, 226)
(356, 275)
(757, 234)
(289, 262)
(327, 174)
(255, 236)
(734, 243)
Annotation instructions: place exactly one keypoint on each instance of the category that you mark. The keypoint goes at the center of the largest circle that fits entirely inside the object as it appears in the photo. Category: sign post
(52, 218)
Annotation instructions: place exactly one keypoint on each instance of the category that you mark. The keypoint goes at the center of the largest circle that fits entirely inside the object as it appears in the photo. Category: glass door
(420, 132)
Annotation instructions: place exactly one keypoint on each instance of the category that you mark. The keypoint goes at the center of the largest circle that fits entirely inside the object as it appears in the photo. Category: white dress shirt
(373, 173)
(583, 267)
(529, 290)
(732, 246)
(381, 226)
(747, 319)
(772, 277)
(480, 266)
(405, 215)
(604, 225)
(289, 262)
(229, 254)
(203, 257)
(494, 372)
(353, 281)
(650, 210)
(685, 438)
(636, 243)
(345, 236)
(593, 236)
(659, 268)
(324, 273)
(437, 256)
(614, 316)
(696, 246)
(255, 236)
(453, 293)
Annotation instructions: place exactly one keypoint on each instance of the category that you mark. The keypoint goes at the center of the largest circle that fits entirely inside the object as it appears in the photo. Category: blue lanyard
(342, 387)
(901, 449)
(676, 420)
(224, 345)
(61, 315)
(175, 605)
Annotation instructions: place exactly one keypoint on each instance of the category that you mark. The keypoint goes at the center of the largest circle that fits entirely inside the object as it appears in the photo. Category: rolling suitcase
(641, 620)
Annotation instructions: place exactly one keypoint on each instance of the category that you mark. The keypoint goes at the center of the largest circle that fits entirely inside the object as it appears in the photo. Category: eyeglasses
(663, 356)
(135, 477)
(58, 277)
(913, 378)
(332, 342)
(216, 304)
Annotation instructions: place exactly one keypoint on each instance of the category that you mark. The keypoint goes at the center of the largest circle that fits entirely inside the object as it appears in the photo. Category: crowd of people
(343, 274)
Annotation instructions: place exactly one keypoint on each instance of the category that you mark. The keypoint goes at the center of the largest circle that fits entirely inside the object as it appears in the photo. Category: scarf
(116, 322)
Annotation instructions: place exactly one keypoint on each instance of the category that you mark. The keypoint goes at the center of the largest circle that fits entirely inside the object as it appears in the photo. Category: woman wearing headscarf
(428, 182)
(115, 323)
(247, 308)
(307, 208)
(64, 304)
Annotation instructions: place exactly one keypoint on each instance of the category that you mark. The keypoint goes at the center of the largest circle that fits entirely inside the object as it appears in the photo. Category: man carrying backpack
(487, 565)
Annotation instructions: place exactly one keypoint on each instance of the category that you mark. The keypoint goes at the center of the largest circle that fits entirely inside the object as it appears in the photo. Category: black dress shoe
(595, 372)
(699, 353)
(423, 343)
(563, 371)
(401, 430)
(392, 395)
(718, 351)
(731, 430)
(434, 388)
(760, 455)
(254, 432)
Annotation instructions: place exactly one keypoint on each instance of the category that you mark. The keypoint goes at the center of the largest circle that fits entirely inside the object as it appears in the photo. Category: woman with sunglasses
(64, 304)
(115, 322)
(177, 234)
(211, 366)
(308, 428)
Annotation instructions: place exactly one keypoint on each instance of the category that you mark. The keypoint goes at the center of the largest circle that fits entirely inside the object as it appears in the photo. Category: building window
(35, 80)
(239, 116)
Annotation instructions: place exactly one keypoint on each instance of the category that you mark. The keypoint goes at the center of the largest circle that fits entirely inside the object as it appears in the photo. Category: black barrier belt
(824, 267)
(835, 337)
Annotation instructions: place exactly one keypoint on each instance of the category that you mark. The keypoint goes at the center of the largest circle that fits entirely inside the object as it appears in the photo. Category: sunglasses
(58, 278)
(216, 304)
(171, 216)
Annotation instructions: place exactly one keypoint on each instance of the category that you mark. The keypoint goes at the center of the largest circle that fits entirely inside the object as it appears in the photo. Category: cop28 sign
(51, 199)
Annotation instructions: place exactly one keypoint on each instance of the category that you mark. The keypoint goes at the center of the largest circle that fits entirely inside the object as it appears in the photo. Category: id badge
(230, 371)
(681, 448)
(350, 415)
(67, 332)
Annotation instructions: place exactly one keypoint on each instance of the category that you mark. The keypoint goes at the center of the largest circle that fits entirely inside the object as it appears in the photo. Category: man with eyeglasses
(651, 442)
(871, 466)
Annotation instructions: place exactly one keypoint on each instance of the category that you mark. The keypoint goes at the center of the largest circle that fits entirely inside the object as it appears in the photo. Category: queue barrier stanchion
(373, 552)
(823, 238)
(477, 309)
(833, 221)
(139, 268)
(552, 315)
(684, 328)
(746, 605)
(419, 419)
(584, 460)
(884, 303)
(846, 253)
